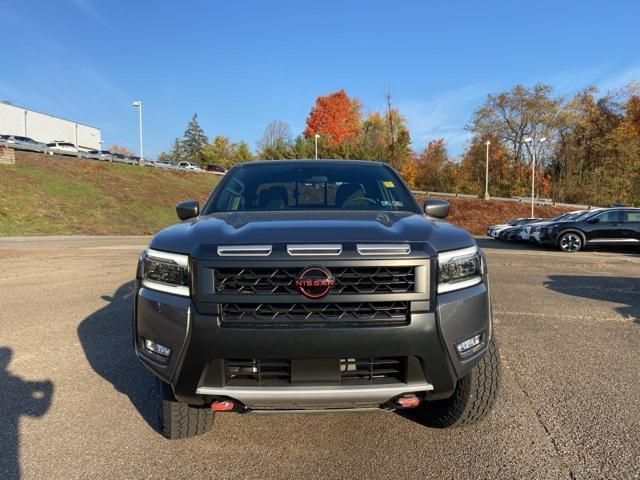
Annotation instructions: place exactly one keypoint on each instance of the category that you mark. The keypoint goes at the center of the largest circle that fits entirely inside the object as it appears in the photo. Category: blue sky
(241, 64)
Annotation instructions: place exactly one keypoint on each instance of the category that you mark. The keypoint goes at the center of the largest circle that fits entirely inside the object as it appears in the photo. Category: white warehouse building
(46, 128)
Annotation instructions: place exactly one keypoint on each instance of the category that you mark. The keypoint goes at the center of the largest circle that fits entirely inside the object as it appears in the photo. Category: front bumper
(200, 344)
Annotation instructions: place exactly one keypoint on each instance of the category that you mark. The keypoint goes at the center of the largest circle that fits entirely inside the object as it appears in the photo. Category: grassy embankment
(52, 195)
(44, 195)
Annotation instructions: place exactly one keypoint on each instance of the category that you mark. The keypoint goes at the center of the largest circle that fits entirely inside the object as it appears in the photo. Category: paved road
(75, 404)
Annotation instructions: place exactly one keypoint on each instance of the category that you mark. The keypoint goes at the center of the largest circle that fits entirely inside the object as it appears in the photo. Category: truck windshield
(310, 185)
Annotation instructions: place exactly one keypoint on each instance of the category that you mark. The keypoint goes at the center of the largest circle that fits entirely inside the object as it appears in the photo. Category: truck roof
(313, 160)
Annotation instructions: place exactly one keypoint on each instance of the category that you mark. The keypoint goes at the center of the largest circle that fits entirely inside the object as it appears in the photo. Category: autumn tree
(473, 167)
(336, 117)
(222, 151)
(275, 142)
(242, 152)
(515, 115)
(121, 150)
(385, 137)
(426, 171)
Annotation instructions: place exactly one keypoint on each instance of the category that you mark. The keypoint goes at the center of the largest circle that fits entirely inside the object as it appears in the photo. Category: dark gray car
(315, 286)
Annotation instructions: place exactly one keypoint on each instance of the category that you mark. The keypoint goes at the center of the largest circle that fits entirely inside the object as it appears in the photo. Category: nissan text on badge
(315, 285)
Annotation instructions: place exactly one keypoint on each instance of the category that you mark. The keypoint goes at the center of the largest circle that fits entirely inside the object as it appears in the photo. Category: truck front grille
(349, 280)
(352, 371)
(314, 314)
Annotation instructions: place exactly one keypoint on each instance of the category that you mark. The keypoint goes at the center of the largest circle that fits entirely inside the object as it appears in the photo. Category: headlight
(459, 269)
(166, 272)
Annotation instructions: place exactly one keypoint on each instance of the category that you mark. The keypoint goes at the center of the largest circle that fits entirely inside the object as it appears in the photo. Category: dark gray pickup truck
(315, 285)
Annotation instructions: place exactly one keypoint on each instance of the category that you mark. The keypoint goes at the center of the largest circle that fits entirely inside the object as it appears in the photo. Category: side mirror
(187, 209)
(436, 208)
(594, 220)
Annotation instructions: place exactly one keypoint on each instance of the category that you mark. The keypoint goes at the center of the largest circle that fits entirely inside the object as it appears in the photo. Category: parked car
(495, 230)
(97, 154)
(62, 148)
(505, 232)
(188, 166)
(258, 301)
(215, 169)
(535, 228)
(164, 164)
(121, 158)
(523, 232)
(608, 226)
(23, 143)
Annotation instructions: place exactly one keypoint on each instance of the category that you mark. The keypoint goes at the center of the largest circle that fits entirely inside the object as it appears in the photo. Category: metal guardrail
(110, 159)
(541, 201)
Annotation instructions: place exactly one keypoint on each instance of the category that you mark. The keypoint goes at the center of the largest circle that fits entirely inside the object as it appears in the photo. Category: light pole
(486, 173)
(317, 136)
(532, 152)
(138, 104)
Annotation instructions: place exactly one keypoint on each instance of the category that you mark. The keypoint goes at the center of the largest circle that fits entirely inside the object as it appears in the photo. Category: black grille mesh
(353, 371)
(314, 314)
(349, 280)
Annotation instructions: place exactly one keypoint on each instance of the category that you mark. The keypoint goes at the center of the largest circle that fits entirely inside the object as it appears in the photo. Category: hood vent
(316, 250)
(384, 249)
(245, 250)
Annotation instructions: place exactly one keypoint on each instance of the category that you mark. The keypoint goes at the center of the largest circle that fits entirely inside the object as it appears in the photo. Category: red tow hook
(222, 406)
(408, 401)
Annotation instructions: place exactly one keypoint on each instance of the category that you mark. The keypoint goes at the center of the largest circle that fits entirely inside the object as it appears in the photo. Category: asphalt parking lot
(76, 404)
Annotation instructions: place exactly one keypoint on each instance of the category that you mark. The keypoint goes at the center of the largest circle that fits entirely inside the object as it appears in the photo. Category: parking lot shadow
(18, 398)
(105, 336)
(621, 290)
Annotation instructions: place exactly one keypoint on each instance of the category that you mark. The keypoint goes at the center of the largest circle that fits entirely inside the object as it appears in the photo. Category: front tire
(570, 242)
(474, 397)
(179, 420)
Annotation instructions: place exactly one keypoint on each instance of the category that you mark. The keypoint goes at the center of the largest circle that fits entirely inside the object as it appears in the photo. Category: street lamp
(317, 136)
(138, 105)
(527, 141)
(486, 173)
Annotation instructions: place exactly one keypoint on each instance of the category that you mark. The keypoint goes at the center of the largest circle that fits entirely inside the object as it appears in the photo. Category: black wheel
(473, 399)
(179, 420)
(570, 242)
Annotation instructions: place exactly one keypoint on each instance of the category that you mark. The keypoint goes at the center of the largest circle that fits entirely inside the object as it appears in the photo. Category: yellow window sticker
(388, 184)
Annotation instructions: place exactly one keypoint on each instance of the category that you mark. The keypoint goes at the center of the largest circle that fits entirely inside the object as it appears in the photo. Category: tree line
(587, 146)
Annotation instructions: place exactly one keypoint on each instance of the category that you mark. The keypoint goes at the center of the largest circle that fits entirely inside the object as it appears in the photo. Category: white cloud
(443, 116)
(89, 10)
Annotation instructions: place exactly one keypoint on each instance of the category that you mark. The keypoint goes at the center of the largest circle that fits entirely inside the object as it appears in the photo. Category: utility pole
(486, 173)
(317, 136)
(532, 152)
(138, 104)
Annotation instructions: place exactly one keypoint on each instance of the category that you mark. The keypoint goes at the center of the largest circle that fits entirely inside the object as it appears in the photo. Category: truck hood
(199, 236)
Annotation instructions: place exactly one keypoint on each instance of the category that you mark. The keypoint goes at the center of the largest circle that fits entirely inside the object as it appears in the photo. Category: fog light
(469, 343)
(156, 348)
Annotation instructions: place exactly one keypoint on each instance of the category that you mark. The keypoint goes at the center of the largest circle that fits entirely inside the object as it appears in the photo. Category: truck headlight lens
(459, 269)
(166, 272)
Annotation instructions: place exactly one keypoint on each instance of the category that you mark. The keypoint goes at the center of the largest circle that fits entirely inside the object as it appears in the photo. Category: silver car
(22, 143)
(62, 148)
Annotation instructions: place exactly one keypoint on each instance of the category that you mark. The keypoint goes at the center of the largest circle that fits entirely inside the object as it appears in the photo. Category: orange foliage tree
(336, 117)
